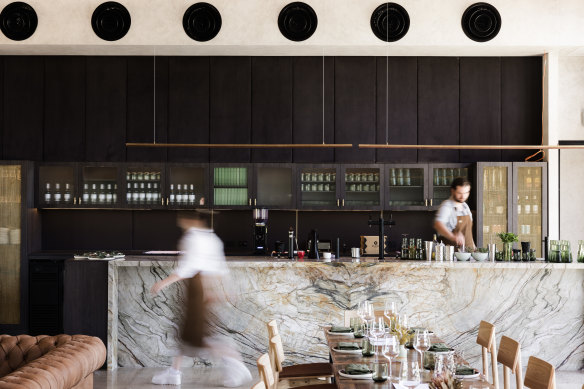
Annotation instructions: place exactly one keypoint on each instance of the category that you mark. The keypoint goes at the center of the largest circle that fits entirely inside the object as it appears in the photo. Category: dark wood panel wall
(86, 108)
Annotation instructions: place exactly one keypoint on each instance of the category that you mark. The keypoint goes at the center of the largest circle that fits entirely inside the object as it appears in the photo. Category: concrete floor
(206, 377)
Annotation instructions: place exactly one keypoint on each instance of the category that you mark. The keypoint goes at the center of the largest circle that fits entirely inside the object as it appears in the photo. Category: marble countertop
(252, 261)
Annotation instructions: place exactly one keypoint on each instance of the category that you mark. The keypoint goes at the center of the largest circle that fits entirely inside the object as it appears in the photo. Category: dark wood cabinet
(46, 297)
(313, 107)
(188, 107)
(271, 107)
(319, 186)
(105, 107)
(230, 107)
(355, 79)
(438, 107)
(22, 133)
(64, 109)
(397, 107)
(480, 107)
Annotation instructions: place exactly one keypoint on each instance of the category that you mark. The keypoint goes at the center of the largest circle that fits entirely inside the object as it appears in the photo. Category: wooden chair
(272, 329)
(486, 339)
(259, 385)
(540, 374)
(510, 357)
(269, 378)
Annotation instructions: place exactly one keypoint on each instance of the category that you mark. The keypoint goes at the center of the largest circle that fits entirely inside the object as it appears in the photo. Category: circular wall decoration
(111, 21)
(18, 21)
(202, 22)
(481, 22)
(390, 22)
(297, 21)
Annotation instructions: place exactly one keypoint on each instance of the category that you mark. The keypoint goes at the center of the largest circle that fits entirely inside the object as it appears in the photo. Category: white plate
(347, 351)
(356, 377)
(79, 257)
(468, 376)
(339, 333)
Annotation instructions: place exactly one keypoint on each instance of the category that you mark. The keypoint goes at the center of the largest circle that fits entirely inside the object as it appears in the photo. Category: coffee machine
(260, 231)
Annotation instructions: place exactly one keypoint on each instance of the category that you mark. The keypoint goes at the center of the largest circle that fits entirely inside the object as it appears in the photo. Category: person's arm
(443, 231)
(171, 279)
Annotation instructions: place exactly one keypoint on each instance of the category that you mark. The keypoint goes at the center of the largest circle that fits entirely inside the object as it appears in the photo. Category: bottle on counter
(434, 244)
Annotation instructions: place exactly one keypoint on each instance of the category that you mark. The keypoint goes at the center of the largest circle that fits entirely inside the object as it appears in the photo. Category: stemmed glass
(422, 344)
(367, 313)
(390, 348)
(377, 329)
(390, 309)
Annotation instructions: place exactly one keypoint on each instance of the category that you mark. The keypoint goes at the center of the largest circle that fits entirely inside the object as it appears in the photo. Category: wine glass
(403, 320)
(422, 344)
(368, 314)
(377, 329)
(390, 349)
(390, 309)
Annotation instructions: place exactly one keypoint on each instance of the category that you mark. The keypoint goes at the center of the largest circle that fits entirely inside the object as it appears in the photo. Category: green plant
(508, 237)
(481, 250)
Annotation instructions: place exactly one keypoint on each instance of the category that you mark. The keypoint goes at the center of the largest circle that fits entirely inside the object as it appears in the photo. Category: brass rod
(244, 145)
(472, 147)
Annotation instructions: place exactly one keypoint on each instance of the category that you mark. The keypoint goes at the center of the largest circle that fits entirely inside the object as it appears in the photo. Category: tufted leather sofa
(49, 362)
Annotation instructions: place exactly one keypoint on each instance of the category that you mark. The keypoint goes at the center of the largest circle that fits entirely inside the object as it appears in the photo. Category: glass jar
(507, 251)
(581, 251)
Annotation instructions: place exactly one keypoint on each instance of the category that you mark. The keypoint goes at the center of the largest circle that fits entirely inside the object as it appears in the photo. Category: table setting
(372, 353)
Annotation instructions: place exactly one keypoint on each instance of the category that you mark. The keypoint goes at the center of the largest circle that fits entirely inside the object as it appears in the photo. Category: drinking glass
(421, 343)
(377, 329)
(581, 251)
(410, 374)
(402, 319)
(390, 309)
(380, 371)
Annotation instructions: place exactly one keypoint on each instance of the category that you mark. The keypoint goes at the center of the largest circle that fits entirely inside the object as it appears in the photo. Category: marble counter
(539, 304)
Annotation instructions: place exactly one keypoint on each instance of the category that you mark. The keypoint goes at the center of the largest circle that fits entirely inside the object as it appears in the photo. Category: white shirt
(449, 211)
(203, 253)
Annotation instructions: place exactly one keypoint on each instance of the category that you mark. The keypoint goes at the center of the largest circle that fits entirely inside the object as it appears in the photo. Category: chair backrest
(277, 350)
(510, 356)
(348, 316)
(272, 329)
(266, 372)
(259, 385)
(539, 374)
(487, 340)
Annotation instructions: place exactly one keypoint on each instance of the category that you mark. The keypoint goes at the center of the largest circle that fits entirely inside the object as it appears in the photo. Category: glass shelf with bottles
(99, 186)
(57, 194)
(143, 187)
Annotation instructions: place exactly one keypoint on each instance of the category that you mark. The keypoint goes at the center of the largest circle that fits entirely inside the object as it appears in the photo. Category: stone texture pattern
(539, 304)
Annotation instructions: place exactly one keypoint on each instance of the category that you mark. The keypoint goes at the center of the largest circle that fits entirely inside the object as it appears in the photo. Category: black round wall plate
(18, 21)
(297, 21)
(481, 22)
(202, 22)
(111, 21)
(390, 22)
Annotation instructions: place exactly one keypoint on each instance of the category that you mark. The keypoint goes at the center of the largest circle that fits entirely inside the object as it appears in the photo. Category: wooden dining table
(341, 360)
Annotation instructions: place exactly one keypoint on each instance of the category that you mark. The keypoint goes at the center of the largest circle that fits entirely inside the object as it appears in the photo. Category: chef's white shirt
(202, 253)
(449, 211)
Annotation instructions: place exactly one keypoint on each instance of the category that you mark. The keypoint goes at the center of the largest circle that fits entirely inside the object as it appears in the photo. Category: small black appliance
(260, 232)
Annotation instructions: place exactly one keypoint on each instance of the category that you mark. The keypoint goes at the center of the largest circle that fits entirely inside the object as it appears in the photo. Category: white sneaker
(169, 376)
(235, 373)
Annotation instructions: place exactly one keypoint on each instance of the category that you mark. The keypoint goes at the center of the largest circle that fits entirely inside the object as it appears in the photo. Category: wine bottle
(85, 193)
(93, 194)
(67, 194)
(57, 194)
(48, 193)
(191, 194)
(109, 197)
(179, 195)
(172, 196)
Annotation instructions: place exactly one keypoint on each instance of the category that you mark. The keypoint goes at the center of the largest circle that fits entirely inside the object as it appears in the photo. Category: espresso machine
(260, 231)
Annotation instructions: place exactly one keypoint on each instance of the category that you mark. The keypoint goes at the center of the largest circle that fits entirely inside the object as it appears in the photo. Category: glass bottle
(109, 197)
(93, 194)
(67, 194)
(434, 244)
(142, 195)
(101, 196)
(155, 193)
(85, 193)
(135, 194)
(149, 199)
(172, 195)
(115, 194)
(57, 193)
(128, 176)
(179, 195)
(47, 193)
(191, 194)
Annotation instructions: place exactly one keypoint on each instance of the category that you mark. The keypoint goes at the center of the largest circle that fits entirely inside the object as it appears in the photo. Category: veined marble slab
(539, 304)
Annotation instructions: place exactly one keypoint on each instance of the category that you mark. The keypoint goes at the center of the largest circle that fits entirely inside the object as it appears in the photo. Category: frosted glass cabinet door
(275, 186)
(10, 247)
(530, 203)
(493, 202)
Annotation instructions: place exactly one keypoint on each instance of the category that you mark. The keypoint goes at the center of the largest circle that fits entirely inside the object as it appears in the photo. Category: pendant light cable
(154, 99)
(387, 75)
(323, 96)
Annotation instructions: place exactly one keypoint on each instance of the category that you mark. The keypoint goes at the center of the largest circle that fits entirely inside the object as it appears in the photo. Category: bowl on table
(478, 256)
(460, 256)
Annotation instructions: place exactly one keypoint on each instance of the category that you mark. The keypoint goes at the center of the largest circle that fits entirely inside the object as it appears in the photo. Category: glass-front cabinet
(187, 186)
(274, 186)
(530, 203)
(319, 187)
(99, 186)
(57, 186)
(494, 215)
(407, 187)
(363, 188)
(441, 177)
(143, 185)
(13, 266)
(231, 186)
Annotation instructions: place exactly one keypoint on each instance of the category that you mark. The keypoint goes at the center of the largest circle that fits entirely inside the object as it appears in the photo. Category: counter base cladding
(538, 304)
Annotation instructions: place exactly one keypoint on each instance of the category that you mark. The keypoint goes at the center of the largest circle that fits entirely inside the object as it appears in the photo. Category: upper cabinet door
(271, 107)
(57, 186)
(188, 107)
(397, 107)
(22, 129)
(406, 187)
(438, 99)
(440, 177)
(230, 107)
(64, 113)
(275, 186)
(480, 107)
(521, 104)
(232, 186)
(313, 112)
(319, 187)
(146, 120)
(362, 187)
(105, 109)
(355, 107)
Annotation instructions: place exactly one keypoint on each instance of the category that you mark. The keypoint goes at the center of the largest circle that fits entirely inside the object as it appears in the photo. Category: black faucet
(381, 223)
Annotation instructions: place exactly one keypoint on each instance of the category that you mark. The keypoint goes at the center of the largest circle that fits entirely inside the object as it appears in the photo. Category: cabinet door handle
(430, 202)
(338, 201)
(343, 202)
(426, 202)
(249, 201)
(255, 201)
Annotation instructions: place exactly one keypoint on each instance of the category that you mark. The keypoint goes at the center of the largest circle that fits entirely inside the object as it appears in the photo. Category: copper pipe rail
(472, 147)
(245, 145)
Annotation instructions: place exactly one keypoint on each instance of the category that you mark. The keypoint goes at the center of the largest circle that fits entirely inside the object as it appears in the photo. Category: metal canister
(439, 252)
(449, 253)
